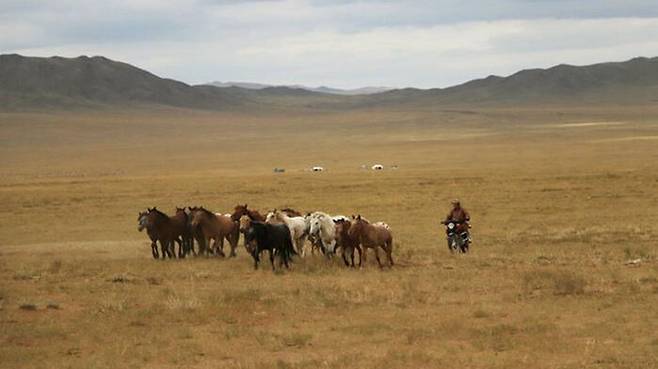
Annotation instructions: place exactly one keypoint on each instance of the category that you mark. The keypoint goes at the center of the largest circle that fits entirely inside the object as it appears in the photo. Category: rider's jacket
(458, 215)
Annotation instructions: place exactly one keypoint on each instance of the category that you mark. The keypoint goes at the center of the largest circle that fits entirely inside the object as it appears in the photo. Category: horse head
(142, 220)
(238, 212)
(356, 226)
(245, 223)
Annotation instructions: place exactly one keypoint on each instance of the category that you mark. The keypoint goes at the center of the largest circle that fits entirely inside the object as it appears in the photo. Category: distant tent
(279, 170)
(317, 169)
(377, 167)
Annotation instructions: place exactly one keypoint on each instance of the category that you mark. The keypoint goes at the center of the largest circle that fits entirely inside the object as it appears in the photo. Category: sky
(337, 43)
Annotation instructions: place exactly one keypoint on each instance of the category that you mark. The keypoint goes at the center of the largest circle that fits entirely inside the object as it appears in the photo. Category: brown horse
(241, 210)
(346, 242)
(291, 212)
(372, 237)
(160, 227)
(182, 223)
(216, 227)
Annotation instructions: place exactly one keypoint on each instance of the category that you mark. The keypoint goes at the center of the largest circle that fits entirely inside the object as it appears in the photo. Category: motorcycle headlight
(451, 225)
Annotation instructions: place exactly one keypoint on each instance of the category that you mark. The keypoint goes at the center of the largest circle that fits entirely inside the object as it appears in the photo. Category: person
(460, 216)
(457, 214)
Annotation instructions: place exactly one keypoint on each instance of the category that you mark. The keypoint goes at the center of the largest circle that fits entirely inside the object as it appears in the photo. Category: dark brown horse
(346, 242)
(372, 237)
(159, 228)
(143, 221)
(181, 221)
(215, 227)
(241, 210)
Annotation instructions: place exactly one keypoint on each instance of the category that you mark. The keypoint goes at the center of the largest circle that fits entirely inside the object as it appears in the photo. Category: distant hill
(32, 82)
(56, 82)
(322, 89)
(635, 80)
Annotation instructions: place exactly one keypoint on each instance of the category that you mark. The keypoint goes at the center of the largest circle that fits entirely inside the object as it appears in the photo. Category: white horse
(296, 225)
(323, 230)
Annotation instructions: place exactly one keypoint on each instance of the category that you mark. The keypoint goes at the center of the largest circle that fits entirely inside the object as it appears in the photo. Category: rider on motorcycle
(459, 216)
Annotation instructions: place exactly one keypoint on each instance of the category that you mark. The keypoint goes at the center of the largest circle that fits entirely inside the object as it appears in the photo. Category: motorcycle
(458, 237)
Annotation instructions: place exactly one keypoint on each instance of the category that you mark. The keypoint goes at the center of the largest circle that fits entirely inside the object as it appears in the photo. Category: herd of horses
(282, 232)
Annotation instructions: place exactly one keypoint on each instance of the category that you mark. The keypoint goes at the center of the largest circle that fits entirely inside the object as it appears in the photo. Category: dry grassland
(561, 199)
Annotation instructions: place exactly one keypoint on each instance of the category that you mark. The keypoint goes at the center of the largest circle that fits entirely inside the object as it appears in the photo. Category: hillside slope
(56, 82)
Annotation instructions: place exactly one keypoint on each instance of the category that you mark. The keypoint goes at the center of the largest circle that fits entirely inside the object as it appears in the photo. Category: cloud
(340, 43)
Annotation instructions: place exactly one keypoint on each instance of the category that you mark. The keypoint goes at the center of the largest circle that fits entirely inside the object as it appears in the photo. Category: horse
(372, 236)
(244, 226)
(297, 226)
(241, 210)
(291, 212)
(216, 227)
(322, 230)
(182, 223)
(272, 237)
(142, 219)
(160, 228)
(269, 217)
(346, 242)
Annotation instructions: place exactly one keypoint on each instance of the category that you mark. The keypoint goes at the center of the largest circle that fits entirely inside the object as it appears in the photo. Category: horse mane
(251, 213)
(206, 211)
(159, 213)
(291, 211)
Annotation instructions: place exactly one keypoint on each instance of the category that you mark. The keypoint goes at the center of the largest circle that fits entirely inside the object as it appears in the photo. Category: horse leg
(154, 249)
(203, 244)
(272, 259)
(377, 256)
(345, 251)
(171, 249)
(331, 250)
(358, 248)
(352, 256)
(164, 248)
(286, 256)
(256, 255)
(220, 248)
(365, 256)
(302, 241)
(389, 252)
(181, 249)
(233, 242)
(190, 246)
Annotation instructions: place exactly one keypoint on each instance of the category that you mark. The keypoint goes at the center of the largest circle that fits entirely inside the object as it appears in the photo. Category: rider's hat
(455, 201)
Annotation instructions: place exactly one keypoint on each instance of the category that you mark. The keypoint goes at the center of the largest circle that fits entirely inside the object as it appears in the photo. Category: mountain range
(323, 89)
(89, 82)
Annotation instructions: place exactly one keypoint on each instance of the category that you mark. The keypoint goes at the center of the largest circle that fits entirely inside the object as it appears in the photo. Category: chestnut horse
(216, 227)
(372, 236)
(346, 242)
(241, 210)
(291, 212)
